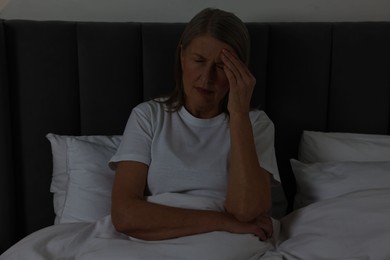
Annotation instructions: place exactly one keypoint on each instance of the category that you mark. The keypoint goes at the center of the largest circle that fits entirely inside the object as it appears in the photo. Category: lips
(204, 91)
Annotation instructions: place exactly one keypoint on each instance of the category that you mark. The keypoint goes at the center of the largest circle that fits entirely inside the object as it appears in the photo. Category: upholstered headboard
(81, 78)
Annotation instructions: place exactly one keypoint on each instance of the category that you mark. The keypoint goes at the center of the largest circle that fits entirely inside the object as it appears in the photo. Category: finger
(235, 64)
(265, 223)
(267, 231)
(240, 71)
(261, 234)
(230, 76)
(228, 64)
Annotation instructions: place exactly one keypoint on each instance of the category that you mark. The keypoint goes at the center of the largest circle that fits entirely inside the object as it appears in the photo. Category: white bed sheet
(351, 226)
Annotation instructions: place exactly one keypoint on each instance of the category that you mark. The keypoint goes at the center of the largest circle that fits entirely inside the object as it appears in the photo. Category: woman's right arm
(134, 216)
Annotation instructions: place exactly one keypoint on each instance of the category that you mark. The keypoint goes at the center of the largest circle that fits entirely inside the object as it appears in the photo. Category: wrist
(239, 118)
(227, 222)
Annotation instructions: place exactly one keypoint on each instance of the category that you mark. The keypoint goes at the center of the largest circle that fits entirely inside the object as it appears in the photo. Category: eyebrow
(218, 62)
(198, 55)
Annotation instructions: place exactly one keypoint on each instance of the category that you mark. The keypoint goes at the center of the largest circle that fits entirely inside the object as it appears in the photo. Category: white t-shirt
(186, 154)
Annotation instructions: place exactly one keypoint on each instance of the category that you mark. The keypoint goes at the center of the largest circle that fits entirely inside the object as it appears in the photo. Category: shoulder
(261, 123)
(151, 107)
(152, 112)
(154, 104)
(259, 116)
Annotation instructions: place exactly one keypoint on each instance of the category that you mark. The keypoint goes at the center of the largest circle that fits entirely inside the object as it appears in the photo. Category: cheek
(189, 72)
(188, 77)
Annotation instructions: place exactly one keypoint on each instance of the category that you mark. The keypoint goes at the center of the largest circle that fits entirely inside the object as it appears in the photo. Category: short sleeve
(137, 138)
(264, 135)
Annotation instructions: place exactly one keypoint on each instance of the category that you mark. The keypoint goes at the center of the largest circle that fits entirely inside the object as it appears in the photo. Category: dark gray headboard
(80, 78)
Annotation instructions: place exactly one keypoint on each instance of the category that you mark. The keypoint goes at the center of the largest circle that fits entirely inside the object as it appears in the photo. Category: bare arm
(134, 216)
(249, 193)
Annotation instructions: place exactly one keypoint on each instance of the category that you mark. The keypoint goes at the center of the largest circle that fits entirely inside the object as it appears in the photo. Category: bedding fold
(100, 240)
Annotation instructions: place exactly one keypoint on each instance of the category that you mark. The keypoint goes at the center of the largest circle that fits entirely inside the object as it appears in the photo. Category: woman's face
(204, 80)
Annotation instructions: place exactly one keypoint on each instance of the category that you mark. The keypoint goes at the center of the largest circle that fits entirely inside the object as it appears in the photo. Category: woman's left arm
(249, 191)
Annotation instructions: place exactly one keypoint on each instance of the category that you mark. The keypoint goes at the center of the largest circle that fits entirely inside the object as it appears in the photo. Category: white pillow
(59, 180)
(320, 181)
(60, 177)
(90, 182)
(329, 147)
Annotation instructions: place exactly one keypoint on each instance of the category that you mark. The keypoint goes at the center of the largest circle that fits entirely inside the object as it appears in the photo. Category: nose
(209, 74)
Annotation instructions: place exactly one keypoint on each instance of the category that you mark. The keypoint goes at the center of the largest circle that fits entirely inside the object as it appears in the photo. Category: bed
(66, 91)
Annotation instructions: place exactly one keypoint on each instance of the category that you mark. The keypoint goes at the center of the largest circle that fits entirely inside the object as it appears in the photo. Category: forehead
(207, 45)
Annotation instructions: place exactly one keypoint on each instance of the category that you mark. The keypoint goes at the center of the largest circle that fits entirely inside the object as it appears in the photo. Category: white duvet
(352, 226)
(100, 240)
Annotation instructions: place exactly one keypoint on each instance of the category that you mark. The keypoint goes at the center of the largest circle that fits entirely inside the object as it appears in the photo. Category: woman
(202, 141)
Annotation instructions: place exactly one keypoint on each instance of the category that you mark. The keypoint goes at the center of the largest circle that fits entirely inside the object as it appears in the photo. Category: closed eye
(219, 65)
